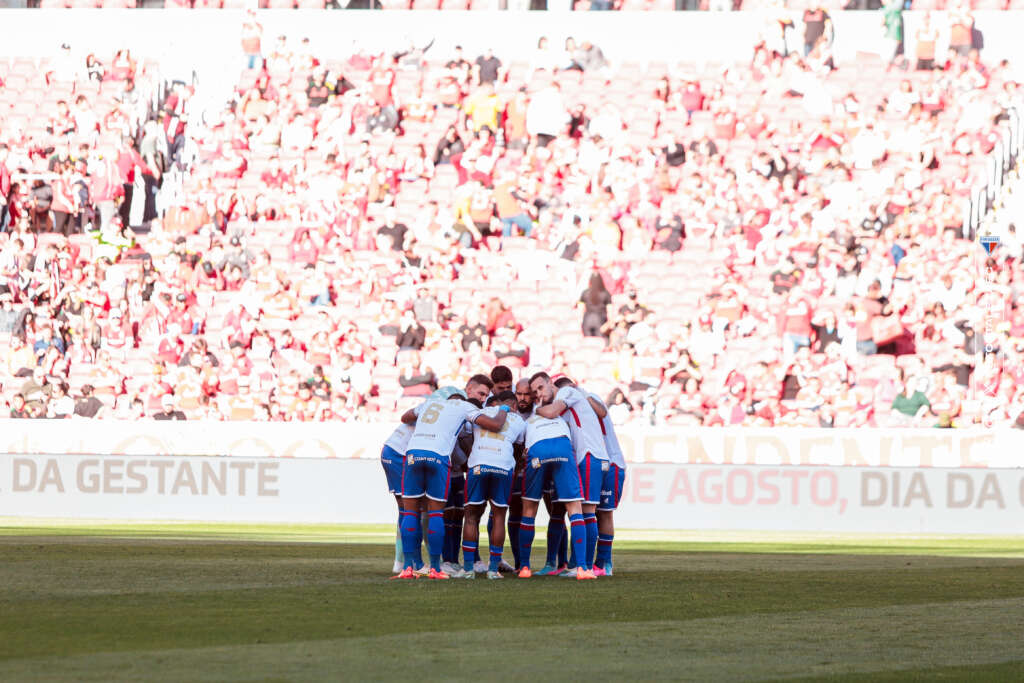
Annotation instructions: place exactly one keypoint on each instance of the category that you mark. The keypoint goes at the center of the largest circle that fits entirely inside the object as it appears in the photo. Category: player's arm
(598, 407)
(553, 409)
(566, 399)
(409, 417)
(491, 424)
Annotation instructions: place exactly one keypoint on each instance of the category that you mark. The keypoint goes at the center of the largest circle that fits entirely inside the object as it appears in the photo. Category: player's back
(584, 425)
(543, 428)
(399, 439)
(438, 422)
(611, 439)
(496, 448)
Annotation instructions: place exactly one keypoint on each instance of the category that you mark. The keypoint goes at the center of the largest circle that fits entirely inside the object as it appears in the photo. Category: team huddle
(510, 447)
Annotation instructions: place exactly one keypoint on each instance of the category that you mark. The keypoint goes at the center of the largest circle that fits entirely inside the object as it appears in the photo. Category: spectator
(20, 410)
(594, 300)
(926, 37)
(167, 409)
(487, 67)
(817, 27)
(411, 334)
(546, 115)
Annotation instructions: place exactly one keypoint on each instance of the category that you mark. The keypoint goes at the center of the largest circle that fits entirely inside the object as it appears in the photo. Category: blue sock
(495, 558)
(556, 531)
(578, 533)
(513, 538)
(410, 522)
(526, 534)
(604, 549)
(435, 538)
(591, 520)
(468, 552)
(563, 548)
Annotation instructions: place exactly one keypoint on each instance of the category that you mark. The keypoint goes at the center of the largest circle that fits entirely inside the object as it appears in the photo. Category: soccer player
(489, 480)
(584, 425)
(428, 465)
(556, 536)
(611, 490)
(524, 406)
(501, 375)
(454, 510)
(392, 456)
(549, 455)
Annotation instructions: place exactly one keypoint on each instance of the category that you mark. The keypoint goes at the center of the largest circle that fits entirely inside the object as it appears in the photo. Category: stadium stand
(778, 243)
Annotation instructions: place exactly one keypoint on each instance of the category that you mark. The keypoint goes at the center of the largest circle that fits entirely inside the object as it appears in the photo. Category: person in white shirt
(611, 493)
(489, 480)
(427, 467)
(584, 421)
(550, 459)
(392, 458)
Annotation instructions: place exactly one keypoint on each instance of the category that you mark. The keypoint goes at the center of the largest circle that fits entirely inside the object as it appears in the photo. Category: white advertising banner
(713, 497)
(697, 446)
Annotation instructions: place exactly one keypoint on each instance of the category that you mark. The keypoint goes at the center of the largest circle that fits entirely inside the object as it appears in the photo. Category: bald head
(524, 397)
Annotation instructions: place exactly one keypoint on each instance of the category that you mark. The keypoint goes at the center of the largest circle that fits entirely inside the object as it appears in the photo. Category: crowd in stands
(772, 242)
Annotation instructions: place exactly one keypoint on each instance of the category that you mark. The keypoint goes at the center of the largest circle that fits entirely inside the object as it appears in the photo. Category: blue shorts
(426, 474)
(489, 484)
(552, 459)
(591, 478)
(456, 492)
(611, 488)
(392, 461)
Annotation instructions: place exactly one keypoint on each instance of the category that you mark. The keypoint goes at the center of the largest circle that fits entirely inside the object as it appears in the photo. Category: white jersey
(399, 439)
(611, 441)
(543, 428)
(584, 425)
(438, 423)
(495, 448)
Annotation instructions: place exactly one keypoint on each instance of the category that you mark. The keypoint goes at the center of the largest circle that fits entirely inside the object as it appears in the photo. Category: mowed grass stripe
(974, 637)
(142, 566)
(194, 595)
(638, 539)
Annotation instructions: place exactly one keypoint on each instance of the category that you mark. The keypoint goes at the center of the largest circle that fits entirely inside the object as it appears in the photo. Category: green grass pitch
(198, 602)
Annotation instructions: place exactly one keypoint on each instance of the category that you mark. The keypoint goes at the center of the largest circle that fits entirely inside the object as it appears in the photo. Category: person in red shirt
(180, 315)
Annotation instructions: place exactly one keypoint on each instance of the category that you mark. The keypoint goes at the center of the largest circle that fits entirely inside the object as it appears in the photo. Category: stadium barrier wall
(971, 448)
(791, 498)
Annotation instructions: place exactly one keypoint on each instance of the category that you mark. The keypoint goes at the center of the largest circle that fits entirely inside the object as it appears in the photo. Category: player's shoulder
(567, 392)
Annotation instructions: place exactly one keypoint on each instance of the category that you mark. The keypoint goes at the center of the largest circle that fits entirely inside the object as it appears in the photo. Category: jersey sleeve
(471, 412)
(419, 408)
(570, 396)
